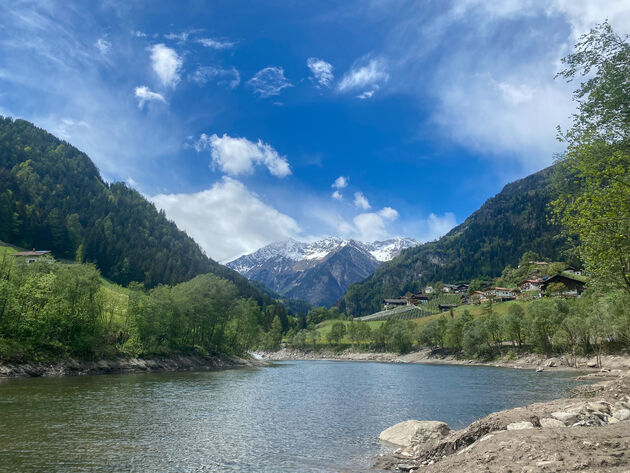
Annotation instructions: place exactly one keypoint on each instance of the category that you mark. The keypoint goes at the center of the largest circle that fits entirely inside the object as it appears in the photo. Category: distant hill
(317, 272)
(52, 197)
(507, 225)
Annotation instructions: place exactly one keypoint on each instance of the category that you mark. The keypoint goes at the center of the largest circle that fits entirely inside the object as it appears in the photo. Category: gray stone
(622, 414)
(550, 423)
(411, 432)
(565, 417)
(520, 426)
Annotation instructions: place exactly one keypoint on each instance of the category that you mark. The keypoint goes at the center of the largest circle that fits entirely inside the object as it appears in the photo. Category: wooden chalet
(574, 287)
(389, 303)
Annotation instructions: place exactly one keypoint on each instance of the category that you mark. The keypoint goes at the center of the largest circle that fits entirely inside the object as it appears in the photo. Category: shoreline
(587, 431)
(72, 367)
(611, 364)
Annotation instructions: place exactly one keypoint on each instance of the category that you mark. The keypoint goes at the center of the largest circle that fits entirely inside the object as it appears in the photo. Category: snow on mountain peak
(295, 251)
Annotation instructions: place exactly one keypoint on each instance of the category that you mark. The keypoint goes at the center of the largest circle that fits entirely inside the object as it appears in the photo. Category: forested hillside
(507, 225)
(52, 197)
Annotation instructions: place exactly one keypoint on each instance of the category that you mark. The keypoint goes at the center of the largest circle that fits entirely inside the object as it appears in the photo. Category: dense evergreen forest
(52, 197)
(514, 221)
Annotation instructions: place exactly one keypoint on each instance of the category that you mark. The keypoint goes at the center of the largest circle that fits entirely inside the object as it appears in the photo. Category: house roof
(32, 253)
(395, 301)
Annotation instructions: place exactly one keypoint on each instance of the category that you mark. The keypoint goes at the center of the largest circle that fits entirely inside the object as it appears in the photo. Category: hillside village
(532, 279)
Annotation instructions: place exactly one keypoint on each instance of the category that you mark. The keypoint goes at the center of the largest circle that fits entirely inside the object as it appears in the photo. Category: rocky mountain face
(318, 272)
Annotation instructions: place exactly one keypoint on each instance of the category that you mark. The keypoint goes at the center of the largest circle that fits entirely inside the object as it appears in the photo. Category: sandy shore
(126, 365)
(530, 361)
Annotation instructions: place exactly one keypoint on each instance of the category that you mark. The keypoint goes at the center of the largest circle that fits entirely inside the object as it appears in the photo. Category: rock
(599, 406)
(520, 426)
(591, 364)
(622, 414)
(414, 431)
(405, 467)
(566, 417)
(550, 423)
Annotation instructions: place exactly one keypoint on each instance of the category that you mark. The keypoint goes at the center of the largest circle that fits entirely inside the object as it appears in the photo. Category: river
(307, 416)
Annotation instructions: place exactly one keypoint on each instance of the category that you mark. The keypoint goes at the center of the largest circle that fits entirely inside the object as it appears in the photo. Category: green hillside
(52, 197)
(506, 226)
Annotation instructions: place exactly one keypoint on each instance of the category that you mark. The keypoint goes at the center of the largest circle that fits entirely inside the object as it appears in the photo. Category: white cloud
(138, 34)
(337, 195)
(183, 36)
(68, 126)
(215, 43)
(322, 71)
(229, 77)
(166, 64)
(503, 101)
(104, 46)
(370, 76)
(236, 156)
(143, 94)
(131, 182)
(438, 226)
(584, 14)
(366, 95)
(506, 116)
(360, 201)
(227, 220)
(269, 81)
(372, 226)
(340, 183)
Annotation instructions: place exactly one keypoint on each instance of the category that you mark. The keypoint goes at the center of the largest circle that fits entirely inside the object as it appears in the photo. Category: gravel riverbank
(126, 365)
(530, 361)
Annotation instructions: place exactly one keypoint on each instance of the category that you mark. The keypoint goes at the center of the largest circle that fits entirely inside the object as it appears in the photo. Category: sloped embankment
(590, 431)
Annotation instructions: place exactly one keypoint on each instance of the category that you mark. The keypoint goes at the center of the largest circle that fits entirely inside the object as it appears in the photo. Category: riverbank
(126, 365)
(612, 363)
(588, 431)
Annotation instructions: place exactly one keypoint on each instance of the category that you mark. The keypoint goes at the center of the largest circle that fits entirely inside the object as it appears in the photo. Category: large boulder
(549, 423)
(411, 432)
(520, 425)
(622, 414)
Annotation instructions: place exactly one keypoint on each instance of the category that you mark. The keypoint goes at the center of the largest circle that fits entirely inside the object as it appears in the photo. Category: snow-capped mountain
(317, 272)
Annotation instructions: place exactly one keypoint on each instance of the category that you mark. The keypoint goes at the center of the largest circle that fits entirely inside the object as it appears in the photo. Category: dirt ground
(591, 439)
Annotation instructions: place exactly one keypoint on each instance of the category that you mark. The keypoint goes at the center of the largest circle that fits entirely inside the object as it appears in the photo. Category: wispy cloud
(368, 76)
(104, 46)
(341, 182)
(366, 95)
(204, 74)
(143, 94)
(322, 71)
(182, 37)
(360, 201)
(269, 81)
(215, 43)
(166, 64)
(236, 156)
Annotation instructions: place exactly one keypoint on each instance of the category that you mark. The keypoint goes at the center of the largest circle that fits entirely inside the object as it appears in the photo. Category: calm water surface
(307, 416)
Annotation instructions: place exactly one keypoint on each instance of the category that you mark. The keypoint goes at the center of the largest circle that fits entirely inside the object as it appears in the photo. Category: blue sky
(250, 122)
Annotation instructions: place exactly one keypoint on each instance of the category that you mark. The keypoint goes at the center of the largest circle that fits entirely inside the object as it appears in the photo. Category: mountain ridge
(497, 234)
(318, 272)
